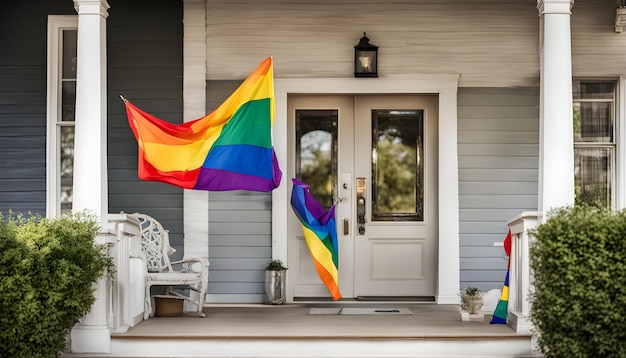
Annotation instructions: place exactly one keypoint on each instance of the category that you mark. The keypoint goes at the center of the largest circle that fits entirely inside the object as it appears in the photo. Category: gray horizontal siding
(23, 39)
(240, 227)
(498, 137)
(145, 64)
(240, 241)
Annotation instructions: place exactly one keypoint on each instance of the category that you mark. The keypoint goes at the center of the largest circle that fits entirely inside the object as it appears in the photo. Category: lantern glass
(365, 59)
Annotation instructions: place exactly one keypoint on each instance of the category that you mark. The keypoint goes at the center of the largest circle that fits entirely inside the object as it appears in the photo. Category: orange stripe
(328, 280)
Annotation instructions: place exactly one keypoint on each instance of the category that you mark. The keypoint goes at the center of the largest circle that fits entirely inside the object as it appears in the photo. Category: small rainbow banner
(228, 149)
(499, 315)
(320, 233)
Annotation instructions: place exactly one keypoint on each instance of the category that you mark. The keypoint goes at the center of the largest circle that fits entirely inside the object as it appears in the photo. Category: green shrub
(579, 265)
(48, 268)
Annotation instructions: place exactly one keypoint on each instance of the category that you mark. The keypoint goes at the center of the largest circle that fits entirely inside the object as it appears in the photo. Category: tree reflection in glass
(397, 165)
(316, 153)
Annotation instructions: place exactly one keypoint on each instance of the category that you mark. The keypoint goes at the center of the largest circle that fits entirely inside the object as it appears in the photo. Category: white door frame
(446, 86)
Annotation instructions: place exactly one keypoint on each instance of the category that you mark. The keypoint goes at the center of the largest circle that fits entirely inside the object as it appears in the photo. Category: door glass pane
(397, 165)
(316, 153)
(67, 168)
(592, 178)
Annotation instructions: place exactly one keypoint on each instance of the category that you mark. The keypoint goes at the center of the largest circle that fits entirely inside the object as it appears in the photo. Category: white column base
(449, 299)
(91, 339)
(519, 322)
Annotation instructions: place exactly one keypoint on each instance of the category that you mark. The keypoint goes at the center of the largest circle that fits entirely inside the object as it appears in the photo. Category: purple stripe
(222, 180)
(314, 207)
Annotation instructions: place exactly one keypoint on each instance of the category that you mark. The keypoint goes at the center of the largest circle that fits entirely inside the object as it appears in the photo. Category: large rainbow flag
(320, 234)
(228, 149)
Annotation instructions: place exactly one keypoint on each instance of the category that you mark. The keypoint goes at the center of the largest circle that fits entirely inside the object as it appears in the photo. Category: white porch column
(92, 334)
(90, 141)
(556, 146)
(195, 202)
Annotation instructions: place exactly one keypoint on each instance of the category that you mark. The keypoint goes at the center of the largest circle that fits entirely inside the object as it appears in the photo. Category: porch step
(318, 347)
(288, 331)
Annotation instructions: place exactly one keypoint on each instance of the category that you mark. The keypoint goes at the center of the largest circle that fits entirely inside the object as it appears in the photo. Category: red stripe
(183, 179)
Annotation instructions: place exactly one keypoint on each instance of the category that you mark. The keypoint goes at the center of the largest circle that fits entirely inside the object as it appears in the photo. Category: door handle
(360, 204)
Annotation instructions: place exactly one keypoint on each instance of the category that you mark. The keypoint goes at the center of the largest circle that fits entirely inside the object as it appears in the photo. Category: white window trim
(620, 150)
(618, 175)
(56, 25)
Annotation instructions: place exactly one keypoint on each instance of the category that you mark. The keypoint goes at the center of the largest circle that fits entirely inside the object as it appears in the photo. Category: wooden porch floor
(431, 328)
(293, 320)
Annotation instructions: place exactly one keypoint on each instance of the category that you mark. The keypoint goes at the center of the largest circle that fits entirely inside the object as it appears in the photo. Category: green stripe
(326, 241)
(250, 124)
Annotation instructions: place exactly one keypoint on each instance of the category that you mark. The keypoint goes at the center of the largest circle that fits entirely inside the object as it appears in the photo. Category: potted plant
(275, 281)
(471, 300)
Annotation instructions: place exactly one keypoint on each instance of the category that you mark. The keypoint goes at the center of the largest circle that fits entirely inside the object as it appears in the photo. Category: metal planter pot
(275, 283)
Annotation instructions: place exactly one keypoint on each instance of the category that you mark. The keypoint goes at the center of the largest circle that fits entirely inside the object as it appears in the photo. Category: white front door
(375, 157)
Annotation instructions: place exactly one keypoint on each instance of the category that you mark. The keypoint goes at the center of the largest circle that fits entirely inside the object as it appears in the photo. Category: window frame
(620, 150)
(56, 25)
(618, 174)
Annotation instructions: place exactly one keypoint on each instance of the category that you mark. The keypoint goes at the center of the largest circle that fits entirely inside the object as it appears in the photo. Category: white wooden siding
(597, 50)
(491, 43)
(317, 39)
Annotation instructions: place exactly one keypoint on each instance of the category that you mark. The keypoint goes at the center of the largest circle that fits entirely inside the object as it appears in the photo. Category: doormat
(355, 311)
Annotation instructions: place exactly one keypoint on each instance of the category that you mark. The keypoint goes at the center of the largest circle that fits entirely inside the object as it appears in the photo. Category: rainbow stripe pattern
(499, 315)
(320, 233)
(228, 149)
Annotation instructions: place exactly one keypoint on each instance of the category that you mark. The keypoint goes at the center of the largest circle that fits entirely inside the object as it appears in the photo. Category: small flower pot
(275, 283)
(471, 304)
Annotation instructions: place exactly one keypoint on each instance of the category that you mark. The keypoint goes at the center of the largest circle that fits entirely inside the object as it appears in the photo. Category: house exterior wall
(597, 50)
(498, 170)
(145, 57)
(492, 43)
(23, 103)
(240, 230)
(145, 65)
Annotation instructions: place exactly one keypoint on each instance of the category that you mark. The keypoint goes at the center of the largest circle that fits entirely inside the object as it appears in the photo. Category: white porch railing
(520, 275)
(126, 296)
(119, 303)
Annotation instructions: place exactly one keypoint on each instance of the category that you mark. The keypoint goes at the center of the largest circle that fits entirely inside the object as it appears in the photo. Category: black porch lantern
(365, 58)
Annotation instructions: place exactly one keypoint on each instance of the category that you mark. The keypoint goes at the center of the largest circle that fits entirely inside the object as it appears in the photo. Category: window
(61, 103)
(316, 153)
(594, 142)
(397, 165)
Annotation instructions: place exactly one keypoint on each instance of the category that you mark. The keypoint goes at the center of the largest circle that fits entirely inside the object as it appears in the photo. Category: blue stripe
(244, 159)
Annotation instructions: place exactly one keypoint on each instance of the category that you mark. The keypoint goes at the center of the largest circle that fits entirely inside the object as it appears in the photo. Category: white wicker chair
(155, 245)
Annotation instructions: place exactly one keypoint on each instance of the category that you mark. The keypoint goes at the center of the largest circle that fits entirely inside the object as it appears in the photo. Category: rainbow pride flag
(499, 315)
(228, 149)
(320, 233)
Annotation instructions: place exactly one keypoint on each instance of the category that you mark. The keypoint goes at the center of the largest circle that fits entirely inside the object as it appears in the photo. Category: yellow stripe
(505, 293)
(320, 252)
(244, 94)
(169, 158)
